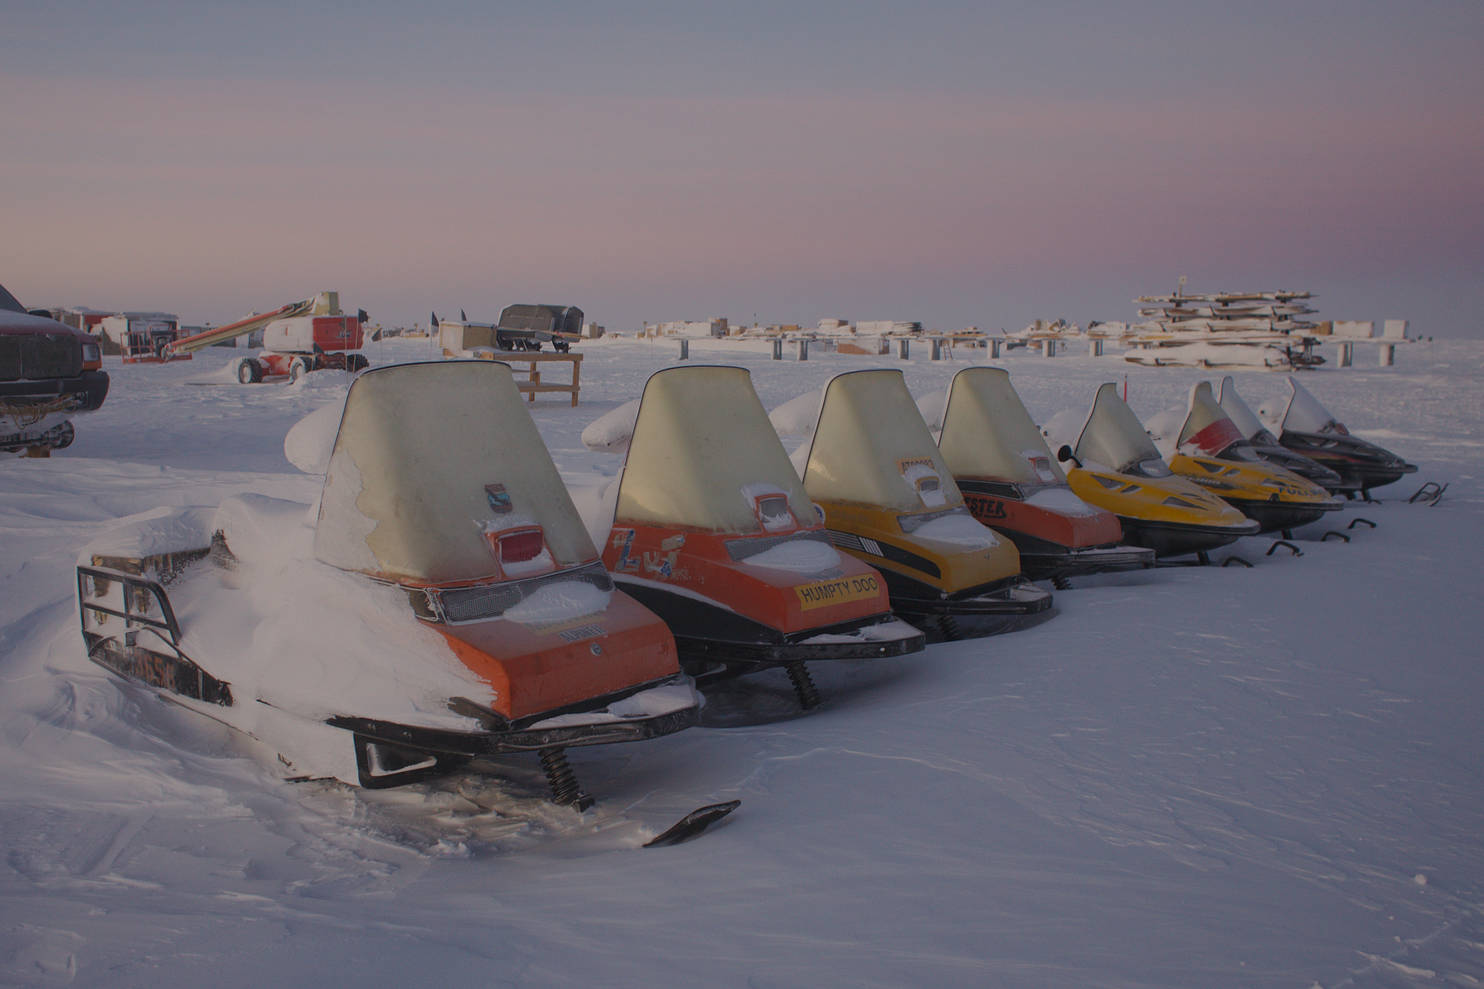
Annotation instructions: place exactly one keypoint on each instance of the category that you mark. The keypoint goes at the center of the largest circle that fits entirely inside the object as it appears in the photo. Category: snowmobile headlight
(773, 512)
(521, 545)
(1175, 501)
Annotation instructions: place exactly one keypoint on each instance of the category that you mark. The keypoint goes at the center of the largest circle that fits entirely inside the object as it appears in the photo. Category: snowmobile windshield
(988, 433)
(1207, 429)
(1305, 414)
(437, 467)
(871, 447)
(703, 455)
(1115, 438)
(1238, 411)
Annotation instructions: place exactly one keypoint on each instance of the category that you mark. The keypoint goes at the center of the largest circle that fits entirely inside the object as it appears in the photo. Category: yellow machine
(889, 499)
(1117, 467)
(1210, 450)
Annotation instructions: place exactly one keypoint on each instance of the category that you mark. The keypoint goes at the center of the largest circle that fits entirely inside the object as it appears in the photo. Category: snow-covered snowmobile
(1266, 444)
(1209, 449)
(442, 601)
(1011, 482)
(889, 499)
(1117, 467)
(1307, 427)
(713, 530)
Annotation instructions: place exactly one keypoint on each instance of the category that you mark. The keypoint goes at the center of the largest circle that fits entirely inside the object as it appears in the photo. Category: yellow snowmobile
(1209, 449)
(889, 499)
(1117, 467)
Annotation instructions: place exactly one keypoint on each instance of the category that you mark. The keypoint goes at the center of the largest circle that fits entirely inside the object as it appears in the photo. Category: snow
(798, 555)
(957, 529)
(1196, 777)
(1062, 500)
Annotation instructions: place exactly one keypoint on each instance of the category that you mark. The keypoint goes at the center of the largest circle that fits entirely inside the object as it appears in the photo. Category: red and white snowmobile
(1261, 439)
(713, 531)
(442, 601)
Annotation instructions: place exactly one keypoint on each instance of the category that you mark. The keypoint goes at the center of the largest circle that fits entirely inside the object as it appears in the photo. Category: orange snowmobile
(444, 601)
(1011, 482)
(713, 531)
(889, 499)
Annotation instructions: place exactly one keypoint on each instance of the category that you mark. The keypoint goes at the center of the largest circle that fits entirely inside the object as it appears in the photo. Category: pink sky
(951, 200)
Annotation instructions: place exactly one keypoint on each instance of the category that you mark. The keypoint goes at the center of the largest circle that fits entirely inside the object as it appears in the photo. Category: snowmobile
(1306, 427)
(1119, 468)
(1010, 482)
(1209, 449)
(442, 601)
(888, 498)
(712, 530)
(1266, 444)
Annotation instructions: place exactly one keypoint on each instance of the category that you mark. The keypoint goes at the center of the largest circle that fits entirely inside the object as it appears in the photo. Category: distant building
(688, 328)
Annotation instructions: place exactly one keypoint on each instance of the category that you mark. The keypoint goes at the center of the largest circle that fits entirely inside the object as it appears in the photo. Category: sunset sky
(976, 163)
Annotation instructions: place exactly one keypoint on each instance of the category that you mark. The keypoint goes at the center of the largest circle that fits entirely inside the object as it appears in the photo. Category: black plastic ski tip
(692, 824)
(1359, 521)
(1333, 534)
(1429, 494)
(1236, 561)
(1284, 544)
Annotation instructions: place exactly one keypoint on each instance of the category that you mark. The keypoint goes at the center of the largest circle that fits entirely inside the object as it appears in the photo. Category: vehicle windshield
(1304, 413)
(988, 433)
(431, 462)
(871, 447)
(1237, 410)
(1114, 437)
(1207, 429)
(703, 455)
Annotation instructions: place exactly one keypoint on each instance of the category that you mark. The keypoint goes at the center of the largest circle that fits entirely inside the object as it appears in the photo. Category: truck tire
(298, 367)
(249, 371)
(356, 363)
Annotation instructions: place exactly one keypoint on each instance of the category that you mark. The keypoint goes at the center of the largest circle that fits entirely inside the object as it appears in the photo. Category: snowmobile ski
(693, 824)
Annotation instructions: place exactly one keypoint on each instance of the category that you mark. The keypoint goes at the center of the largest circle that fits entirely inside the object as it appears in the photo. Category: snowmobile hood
(988, 433)
(1113, 437)
(1305, 414)
(871, 447)
(434, 467)
(703, 456)
(1207, 428)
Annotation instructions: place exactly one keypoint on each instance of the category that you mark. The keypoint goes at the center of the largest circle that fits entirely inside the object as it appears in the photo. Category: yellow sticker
(838, 591)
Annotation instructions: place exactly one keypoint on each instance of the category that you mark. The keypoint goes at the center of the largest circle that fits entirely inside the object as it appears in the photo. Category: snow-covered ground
(1191, 777)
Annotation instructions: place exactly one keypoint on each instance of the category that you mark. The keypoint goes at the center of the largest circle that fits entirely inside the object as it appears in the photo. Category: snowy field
(1189, 777)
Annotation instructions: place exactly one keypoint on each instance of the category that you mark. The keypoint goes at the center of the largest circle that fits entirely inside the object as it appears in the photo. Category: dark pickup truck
(48, 373)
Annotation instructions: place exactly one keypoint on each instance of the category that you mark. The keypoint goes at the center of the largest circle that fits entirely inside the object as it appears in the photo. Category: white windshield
(1114, 437)
(1237, 410)
(1207, 429)
(988, 433)
(1305, 414)
(872, 447)
(703, 455)
(431, 463)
